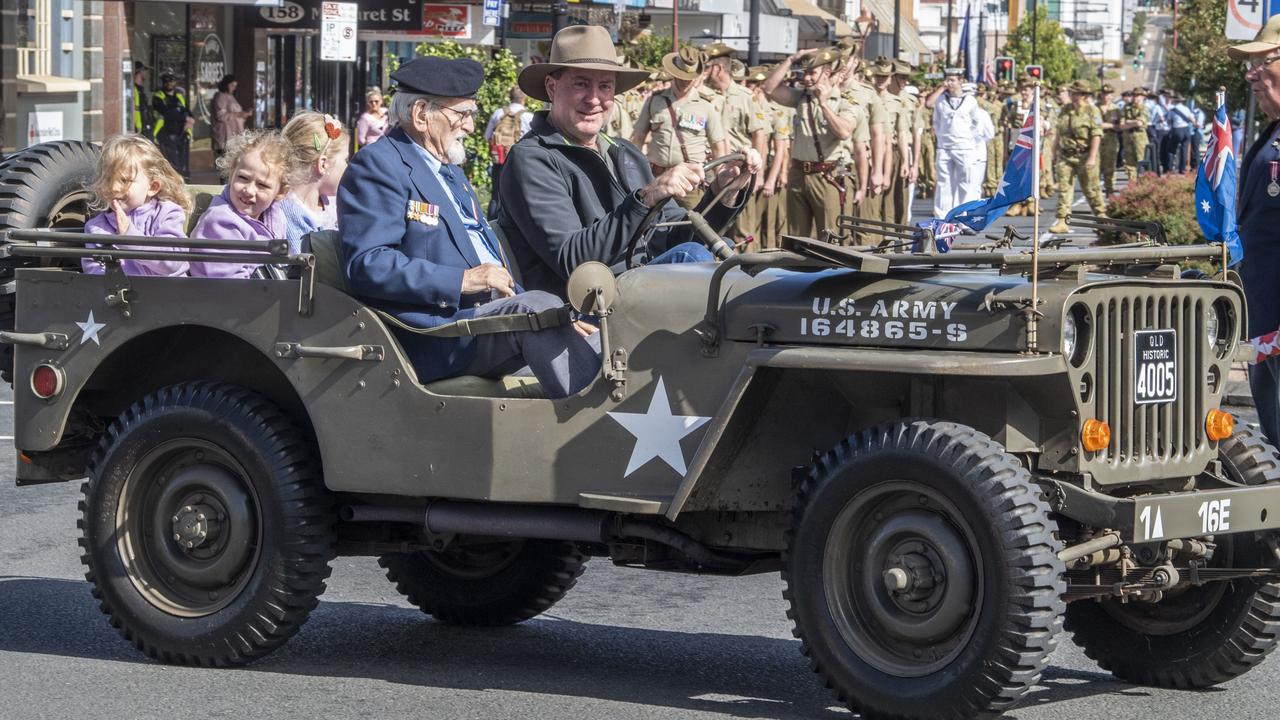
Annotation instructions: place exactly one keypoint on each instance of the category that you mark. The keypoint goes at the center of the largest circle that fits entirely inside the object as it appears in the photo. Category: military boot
(1059, 227)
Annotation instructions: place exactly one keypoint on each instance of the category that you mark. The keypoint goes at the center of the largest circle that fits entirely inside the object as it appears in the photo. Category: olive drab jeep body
(949, 456)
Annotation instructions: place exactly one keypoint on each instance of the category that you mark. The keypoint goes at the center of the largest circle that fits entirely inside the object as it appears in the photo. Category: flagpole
(1033, 313)
(1221, 98)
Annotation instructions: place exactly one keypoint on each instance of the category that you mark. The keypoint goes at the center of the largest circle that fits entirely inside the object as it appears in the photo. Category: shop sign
(493, 13)
(211, 65)
(44, 126)
(528, 25)
(447, 21)
(338, 31)
(383, 15)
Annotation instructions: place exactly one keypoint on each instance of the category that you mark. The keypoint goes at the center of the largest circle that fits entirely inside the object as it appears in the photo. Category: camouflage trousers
(1108, 151)
(995, 168)
(1070, 170)
(928, 173)
(1135, 149)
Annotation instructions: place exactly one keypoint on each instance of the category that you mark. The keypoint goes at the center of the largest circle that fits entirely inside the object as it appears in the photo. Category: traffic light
(1035, 72)
(1004, 69)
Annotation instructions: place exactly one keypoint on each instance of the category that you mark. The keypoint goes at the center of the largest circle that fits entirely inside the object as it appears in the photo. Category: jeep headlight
(1070, 333)
(1212, 323)
(1076, 334)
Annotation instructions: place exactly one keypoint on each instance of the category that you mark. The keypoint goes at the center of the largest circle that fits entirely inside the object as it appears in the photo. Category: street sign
(1244, 18)
(492, 13)
(338, 31)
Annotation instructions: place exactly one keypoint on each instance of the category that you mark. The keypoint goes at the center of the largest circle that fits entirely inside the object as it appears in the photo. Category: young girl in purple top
(256, 165)
(142, 195)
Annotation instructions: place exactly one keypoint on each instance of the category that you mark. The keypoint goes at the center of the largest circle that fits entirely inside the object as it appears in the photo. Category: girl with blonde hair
(320, 147)
(138, 193)
(257, 167)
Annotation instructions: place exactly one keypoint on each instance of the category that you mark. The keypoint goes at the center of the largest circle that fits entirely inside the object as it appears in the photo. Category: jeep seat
(201, 196)
(324, 246)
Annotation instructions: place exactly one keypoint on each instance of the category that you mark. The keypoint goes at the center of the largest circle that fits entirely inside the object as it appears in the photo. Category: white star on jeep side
(658, 432)
(90, 330)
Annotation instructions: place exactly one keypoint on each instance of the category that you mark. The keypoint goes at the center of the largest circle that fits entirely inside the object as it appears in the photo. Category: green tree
(1199, 65)
(1062, 61)
(648, 48)
(500, 69)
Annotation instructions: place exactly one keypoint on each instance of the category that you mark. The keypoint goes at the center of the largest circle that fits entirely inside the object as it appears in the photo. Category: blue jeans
(1264, 384)
(694, 252)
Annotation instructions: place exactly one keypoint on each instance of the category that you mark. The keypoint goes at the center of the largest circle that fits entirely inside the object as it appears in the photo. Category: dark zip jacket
(560, 207)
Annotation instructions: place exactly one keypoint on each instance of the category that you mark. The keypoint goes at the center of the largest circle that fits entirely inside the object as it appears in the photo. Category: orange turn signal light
(1219, 424)
(1096, 435)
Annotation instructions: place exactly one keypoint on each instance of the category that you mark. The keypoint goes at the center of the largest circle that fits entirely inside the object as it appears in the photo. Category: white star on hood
(90, 330)
(658, 432)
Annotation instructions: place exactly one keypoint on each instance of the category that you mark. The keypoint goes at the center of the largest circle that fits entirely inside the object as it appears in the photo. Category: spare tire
(43, 186)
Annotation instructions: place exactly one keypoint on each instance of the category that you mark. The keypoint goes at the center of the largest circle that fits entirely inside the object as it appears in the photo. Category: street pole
(675, 25)
(1175, 24)
(897, 20)
(503, 11)
(982, 42)
(1035, 28)
(753, 33)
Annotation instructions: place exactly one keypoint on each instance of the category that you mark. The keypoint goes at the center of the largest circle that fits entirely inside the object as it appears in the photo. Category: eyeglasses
(468, 114)
(1258, 63)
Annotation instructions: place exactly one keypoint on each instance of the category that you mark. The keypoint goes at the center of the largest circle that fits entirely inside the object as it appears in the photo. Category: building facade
(51, 72)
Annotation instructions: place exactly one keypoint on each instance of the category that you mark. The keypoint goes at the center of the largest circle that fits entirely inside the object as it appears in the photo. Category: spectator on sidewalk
(373, 122)
(226, 117)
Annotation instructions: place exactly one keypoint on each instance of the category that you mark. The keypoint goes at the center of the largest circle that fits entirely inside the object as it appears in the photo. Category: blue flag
(966, 51)
(1014, 187)
(1216, 188)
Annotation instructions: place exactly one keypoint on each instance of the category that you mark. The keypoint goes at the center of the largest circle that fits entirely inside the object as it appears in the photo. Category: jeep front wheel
(922, 574)
(486, 584)
(207, 532)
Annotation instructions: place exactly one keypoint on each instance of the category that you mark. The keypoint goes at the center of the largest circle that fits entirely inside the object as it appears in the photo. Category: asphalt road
(624, 644)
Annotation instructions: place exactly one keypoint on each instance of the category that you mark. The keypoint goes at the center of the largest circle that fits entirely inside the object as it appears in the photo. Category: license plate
(1155, 367)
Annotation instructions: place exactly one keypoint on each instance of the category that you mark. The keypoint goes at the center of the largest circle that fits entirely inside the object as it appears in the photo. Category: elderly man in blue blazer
(415, 243)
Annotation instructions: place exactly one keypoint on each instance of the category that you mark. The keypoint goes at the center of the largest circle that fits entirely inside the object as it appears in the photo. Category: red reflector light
(46, 381)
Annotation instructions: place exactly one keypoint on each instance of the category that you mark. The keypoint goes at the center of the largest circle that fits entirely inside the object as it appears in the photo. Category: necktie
(467, 206)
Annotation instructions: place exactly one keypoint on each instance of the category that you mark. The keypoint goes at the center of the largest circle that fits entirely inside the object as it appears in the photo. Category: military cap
(1140, 91)
(686, 64)
(441, 77)
(1080, 86)
(716, 50)
(882, 67)
(1026, 83)
(1267, 39)
(758, 74)
(847, 45)
(820, 58)
(902, 67)
(1106, 88)
(737, 69)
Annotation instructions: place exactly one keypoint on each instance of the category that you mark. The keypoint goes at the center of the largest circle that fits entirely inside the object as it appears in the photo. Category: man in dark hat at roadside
(415, 242)
(573, 194)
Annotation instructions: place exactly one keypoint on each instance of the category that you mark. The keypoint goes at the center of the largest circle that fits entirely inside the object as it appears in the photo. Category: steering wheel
(647, 222)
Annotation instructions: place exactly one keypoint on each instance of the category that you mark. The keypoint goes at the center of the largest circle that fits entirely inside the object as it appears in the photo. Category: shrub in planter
(1168, 200)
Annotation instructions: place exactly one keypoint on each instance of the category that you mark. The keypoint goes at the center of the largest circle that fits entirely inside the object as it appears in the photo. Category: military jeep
(950, 457)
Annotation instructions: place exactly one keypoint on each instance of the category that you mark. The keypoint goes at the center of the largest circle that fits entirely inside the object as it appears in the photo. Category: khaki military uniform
(1048, 130)
(1109, 149)
(995, 149)
(928, 156)
(861, 94)
(626, 108)
(1076, 128)
(893, 203)
(775, 223)
(689, 138)
(816, 192)
(742, 116)
(1135, 139)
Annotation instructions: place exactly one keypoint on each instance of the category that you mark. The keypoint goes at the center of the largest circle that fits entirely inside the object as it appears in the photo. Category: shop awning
(262, 3)
(50, 84)
(813, 18)
(909, 38)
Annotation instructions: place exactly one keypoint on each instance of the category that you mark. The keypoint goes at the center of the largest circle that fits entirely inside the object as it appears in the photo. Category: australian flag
(1014, 187)
(1216, 188)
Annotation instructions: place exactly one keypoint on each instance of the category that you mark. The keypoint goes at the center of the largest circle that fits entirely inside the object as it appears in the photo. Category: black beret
(440, 76)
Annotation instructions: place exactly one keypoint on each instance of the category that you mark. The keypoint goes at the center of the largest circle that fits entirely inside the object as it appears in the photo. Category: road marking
(6, 437)
(6, 402)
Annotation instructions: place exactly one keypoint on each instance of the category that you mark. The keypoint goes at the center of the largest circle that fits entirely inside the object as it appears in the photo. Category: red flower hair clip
(332, 131)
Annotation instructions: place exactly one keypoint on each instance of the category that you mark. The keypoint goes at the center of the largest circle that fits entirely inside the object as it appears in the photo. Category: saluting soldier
(1079, 134)
(1110, 145)
(745, 125)
(815, 192)
(1133, 123)
(684, 125)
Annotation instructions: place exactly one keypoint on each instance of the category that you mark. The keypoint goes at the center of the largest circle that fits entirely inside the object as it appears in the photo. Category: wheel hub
(197, 525)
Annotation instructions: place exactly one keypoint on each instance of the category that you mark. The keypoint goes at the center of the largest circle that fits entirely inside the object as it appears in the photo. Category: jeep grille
(1145, 433)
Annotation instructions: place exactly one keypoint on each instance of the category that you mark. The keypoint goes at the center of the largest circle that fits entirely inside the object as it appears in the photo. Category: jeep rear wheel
(1199, 636)
(486, 584)
(922, 574)
(207, 532)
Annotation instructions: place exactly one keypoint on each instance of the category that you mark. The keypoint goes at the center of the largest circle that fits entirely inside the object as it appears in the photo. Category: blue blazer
(408, 267)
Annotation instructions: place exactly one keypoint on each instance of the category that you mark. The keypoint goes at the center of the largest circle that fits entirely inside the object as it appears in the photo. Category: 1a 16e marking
(1215, 517)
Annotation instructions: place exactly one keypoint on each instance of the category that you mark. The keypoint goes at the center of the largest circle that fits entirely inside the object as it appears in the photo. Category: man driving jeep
(572, 194)
(416, 245)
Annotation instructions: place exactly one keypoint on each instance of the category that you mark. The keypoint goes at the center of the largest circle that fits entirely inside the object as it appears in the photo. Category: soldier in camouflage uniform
(995, 154)
(1109, 148)
(1133, 123)
(1079, 133)
(1048, 139)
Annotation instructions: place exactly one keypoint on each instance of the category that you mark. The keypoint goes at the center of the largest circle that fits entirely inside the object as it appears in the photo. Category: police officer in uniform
(816, 193)
(1110, 146)
(142, 119)
(1079, 135)
(173, 123)
(684, 125)
(745, 123)
(1133, 124)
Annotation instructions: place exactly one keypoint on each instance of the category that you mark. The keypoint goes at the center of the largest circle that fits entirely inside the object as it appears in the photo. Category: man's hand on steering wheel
(676, 182)
(737, 175)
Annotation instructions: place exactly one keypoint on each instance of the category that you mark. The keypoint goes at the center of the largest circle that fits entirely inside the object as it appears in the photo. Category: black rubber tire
(528, 577)
(42, 186)
(289, 531)
(1232, 638)
(1015, 564)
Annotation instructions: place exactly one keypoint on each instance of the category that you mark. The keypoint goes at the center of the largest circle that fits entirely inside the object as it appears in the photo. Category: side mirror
(592, 288)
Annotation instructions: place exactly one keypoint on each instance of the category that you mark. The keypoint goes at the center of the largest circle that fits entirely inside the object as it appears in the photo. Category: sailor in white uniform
(958, 126)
